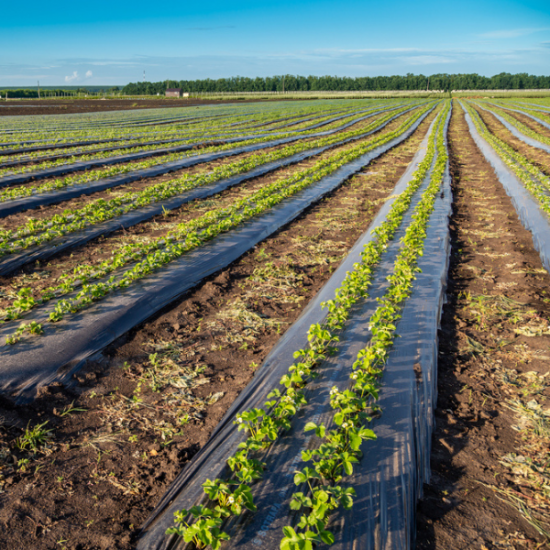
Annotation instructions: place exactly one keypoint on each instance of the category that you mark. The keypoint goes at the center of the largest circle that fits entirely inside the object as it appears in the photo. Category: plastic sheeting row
(28, 203)
(389, 478)
(12, 263)
(66, 345)
(528, 115)
(511, 128)
(530, 215)
(93, 141)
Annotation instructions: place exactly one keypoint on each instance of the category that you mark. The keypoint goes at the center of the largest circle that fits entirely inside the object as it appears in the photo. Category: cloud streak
(322, 61)
(75, 77)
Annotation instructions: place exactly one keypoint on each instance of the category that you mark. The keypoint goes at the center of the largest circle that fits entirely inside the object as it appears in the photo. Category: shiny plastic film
(88, 164)
(530, 215)
(10, 207)
(66, 345)
(512, 129)
(12, 263)
(528, 115)
(388, 480)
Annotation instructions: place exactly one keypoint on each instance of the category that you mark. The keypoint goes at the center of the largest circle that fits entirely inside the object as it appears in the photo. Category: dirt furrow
(494, 343)
(535, 126)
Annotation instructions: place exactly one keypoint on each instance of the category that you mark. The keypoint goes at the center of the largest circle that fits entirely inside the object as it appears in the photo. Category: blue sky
(113, 42)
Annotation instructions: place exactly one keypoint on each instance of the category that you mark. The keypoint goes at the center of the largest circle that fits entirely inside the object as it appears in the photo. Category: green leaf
(289, 532)
(321, 496)
(355, 442)
(348, 468)
(300, 478)
(327, 537)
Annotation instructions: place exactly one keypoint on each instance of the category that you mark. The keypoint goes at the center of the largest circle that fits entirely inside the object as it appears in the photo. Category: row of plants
(43, 151)
(38, 231)
(340, 448)
(531, 109)
(168, 132)
(141, 117)
(94, 153)
(291, 121)
(36, 155)
(524, 129)
(539, 117)
(126, 167)
(202, 524)
(156, 148)
(160, 251)
(116, 121)
(534, 180)
(39, 131)
(135, 150)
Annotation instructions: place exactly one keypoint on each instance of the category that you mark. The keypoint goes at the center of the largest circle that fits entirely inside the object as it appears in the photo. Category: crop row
(116, 120)
(169, 132)
(522, 127)
(160, 251)
(539, 117)
(341, 447)
(62, 167)
(534, 180)
(212, 129)
(202, 524)
(186, 115)
(214, 124)
(36, 232)
(102, 154)
(121, 151)
(166, 163)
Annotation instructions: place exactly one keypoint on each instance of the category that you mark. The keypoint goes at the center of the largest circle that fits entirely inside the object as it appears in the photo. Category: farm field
(60, 106)
(320, 323)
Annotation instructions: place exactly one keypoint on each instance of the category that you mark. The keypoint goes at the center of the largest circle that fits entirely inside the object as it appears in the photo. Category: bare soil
(132, 419)
(491, 358)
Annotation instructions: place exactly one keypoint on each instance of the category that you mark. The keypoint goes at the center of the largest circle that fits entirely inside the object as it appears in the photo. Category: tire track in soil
(108, 467)
(492, 257)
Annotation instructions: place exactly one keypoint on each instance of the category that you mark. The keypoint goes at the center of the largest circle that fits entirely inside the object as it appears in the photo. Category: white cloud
(74, 76)
(89, 74)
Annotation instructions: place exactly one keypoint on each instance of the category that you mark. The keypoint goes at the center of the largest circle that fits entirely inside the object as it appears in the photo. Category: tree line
(291, 83)
(32, 93)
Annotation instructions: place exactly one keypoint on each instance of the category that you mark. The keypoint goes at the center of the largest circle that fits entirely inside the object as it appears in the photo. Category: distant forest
(290, 83)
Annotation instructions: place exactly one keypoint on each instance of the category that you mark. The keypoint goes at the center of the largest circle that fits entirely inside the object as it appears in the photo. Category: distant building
(173, 92)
